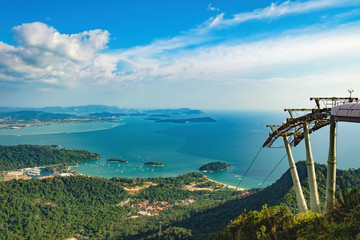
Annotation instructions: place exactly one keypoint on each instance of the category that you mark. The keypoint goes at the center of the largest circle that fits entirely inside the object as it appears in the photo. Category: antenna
(350, 91)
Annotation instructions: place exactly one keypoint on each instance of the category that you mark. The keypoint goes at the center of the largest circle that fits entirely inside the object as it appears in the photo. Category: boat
(117, 160)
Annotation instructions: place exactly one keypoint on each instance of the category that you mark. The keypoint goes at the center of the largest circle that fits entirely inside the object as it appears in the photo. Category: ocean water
(235, 138)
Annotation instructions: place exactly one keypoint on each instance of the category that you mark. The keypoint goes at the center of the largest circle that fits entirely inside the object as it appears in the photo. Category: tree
(176, 233)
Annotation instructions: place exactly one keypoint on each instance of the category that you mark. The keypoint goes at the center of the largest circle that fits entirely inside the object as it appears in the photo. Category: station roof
(349, 112)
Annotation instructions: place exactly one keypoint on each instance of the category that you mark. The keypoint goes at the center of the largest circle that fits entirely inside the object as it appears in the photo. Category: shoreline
(60, 132)
(224, 184)
(227, 185)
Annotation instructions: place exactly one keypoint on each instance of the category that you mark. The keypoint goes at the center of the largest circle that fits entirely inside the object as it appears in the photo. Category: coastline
(227, 185)
(56, 132)
(224, 184)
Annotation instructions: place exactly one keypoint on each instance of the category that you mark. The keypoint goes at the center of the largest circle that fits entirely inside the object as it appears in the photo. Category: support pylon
(331, 168)
(295, 178)
(314, 194)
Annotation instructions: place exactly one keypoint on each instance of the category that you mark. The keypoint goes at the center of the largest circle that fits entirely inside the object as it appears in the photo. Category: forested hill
(100, 208)
(24, 156)
(90, 109)
(29, 116)
(21, 119)
(277, 222)
(56, 208)
(281, 193)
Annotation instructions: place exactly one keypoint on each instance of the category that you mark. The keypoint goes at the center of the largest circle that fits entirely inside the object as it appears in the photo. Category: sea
(235, 138)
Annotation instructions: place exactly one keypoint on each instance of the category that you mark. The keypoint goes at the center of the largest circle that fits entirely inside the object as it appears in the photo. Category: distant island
(159, 115)
(21, 119)
(103, 109)
(214, 166)
(117, 160)
(154, 164)
(176, 111)
(152, 119)
(187, 120)
(17, 118)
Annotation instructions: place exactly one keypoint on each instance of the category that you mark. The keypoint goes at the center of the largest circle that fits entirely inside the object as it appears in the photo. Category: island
(152, 119)
(187, 120)
(18, 117)
(214, 166)
(159, 115)
(117, 160)
(21, 119)
(177, 112)
(154, 164)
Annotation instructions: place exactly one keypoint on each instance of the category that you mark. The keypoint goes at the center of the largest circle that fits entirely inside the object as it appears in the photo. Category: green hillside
(279, 223)
(30, 116)
(57, 208)
(101, 208)
(25, 156)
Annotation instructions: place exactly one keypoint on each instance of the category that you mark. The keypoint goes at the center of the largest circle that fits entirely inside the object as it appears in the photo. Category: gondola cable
(273, 170)
(247, 170)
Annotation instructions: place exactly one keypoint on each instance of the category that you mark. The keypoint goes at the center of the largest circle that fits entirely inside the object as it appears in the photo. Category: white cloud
(216, 20)
(203, 33)
(79, 47)
(296, 52)
(287, 8)
(291, 57)
(212, 8)
(46, 56)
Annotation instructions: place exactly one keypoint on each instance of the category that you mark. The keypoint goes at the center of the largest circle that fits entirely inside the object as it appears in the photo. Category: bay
(236, 137)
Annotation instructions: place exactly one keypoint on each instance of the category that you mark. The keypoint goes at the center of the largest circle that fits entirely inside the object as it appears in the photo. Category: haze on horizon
(249, 55)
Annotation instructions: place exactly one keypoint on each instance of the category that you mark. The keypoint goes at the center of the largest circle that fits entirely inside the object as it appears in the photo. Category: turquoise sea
(235, 138)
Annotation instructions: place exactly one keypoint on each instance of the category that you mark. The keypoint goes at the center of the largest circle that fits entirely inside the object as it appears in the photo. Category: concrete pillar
(295, 178)
(331, 168)
(314, 194)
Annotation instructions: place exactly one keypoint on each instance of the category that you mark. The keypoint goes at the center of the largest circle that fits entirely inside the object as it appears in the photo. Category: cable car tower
(299, 126)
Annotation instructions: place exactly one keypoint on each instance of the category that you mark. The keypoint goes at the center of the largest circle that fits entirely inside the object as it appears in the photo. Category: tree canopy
(24, 156)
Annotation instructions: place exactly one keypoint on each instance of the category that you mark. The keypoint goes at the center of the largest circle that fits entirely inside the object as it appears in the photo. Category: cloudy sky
(221, 54)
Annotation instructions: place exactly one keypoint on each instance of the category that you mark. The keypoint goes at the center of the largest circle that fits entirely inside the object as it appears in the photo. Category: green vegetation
(279, 223)
(100, 208)
(153, 163)
(214, 166)
(58, 207)
(171, 182)
(24, 156)
(22, 119)
(31, 116)
(208, 184)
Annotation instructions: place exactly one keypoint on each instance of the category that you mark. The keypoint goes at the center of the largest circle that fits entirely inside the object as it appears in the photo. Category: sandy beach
(229, 186)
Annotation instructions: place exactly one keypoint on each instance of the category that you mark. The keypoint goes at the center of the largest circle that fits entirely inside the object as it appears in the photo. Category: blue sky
(249, 55)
